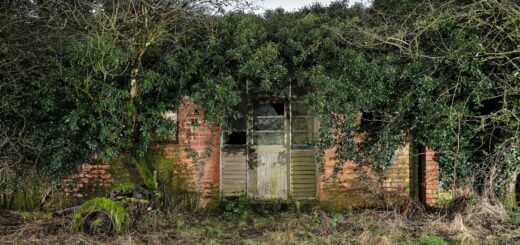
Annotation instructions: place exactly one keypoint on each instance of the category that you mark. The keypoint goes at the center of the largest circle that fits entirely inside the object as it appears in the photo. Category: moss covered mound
(118, 214)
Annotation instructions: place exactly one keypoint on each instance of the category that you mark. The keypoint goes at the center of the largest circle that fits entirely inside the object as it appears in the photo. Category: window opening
(371, 120)
(172, 135)
(302, 126)
(268, 124)
(236, 133)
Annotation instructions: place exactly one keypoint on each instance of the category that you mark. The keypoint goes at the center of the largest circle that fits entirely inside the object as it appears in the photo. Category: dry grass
(479, 223)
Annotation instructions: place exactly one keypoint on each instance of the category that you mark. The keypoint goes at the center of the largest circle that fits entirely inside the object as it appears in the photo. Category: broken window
(236, 134)
(268, 123)
(236, 138)
(371, 120)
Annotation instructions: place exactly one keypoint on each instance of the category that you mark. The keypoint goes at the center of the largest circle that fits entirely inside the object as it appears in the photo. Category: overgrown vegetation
(82, 86)
(475, 226)
(88, 81)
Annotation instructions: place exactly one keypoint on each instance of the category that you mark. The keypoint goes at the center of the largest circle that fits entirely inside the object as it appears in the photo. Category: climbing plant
(99, 77)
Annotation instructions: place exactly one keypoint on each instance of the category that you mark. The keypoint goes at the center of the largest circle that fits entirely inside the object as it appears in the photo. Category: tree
(446, 72)
(91, 79)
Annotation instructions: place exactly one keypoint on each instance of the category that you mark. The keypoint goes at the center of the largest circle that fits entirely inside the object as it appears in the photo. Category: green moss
(162, 164)
(24, 197)
(173, 179)
(160, 171)
(124, 171)
(118, 212)
(33, 215)
(432, 240)
(147, 174)
(126, 187)
(131, 200)
(509, 201)
(129, 171)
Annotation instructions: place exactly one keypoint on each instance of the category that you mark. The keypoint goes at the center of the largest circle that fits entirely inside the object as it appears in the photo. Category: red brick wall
(397, 178)
(346, 175)
(198, 148)
(90, 180)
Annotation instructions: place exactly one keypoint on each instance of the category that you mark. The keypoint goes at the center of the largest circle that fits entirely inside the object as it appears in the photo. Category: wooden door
(268, 154)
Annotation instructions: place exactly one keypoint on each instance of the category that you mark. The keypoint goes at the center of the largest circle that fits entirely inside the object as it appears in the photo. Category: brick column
(199, 148)
(431, 177)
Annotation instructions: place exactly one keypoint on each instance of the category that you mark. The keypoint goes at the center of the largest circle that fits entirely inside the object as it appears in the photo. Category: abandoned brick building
(267, 157)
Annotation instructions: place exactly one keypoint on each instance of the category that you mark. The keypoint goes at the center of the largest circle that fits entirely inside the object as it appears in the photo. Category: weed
(274, 206)
(236, 208)
(339, 200)
(428, 240)
(214, 230)
(248, 242)
(154, 221)
(432, 240)
(515, 219)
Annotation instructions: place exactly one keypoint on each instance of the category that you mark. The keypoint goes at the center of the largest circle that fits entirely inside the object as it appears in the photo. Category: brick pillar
(200, 148)
(431, 177)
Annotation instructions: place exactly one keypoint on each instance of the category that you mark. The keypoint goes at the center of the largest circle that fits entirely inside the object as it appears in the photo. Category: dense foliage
(92, 80)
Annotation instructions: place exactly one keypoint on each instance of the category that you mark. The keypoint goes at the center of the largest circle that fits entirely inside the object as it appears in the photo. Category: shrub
(236, 208)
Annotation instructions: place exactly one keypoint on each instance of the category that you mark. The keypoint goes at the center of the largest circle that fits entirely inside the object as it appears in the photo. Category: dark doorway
(421, 174)
(517, 191)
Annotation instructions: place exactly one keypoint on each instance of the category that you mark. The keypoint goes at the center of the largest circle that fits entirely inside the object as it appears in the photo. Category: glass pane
(268, 138)
(303, 123)
(269, 109)
(302, 138)
(300, 109)
(268, 124)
